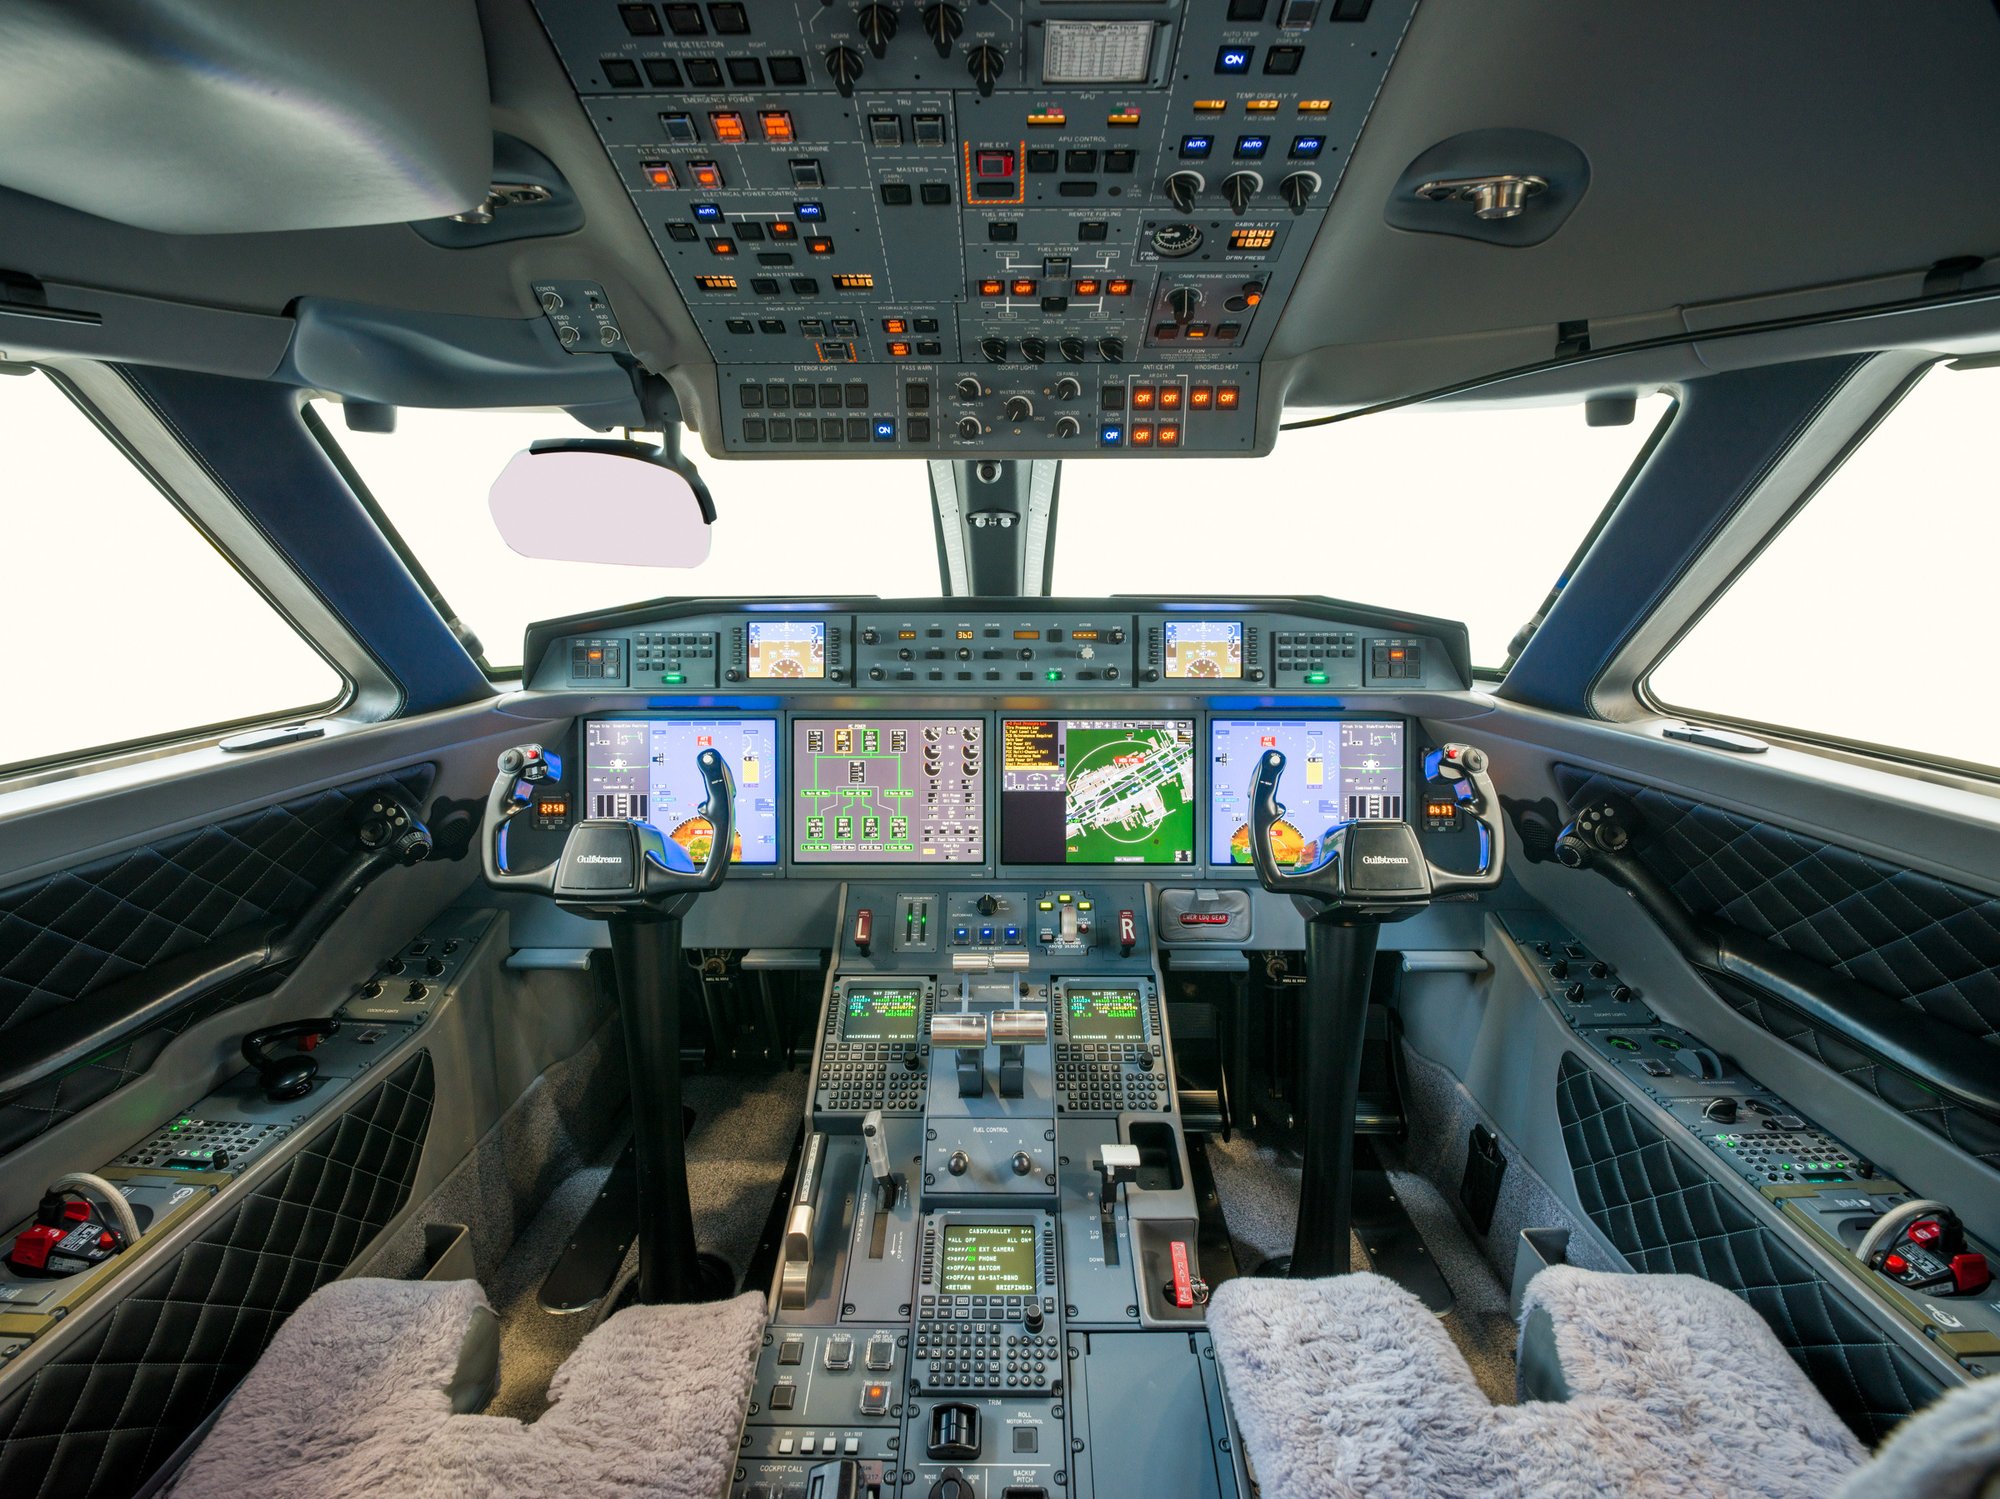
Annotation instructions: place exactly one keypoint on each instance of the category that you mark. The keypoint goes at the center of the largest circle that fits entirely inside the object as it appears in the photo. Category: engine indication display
(889, 791)
(785, 650)
(1202, 649)
(1097, 791)
(1100, 1015)
(1336, 770)
(644, 769)
(988, 1259)
(881, 1012)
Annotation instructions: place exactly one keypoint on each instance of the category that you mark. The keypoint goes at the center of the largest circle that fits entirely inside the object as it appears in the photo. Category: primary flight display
(1336, 770)
(888, 791)
(1097, 791)
(644, 769)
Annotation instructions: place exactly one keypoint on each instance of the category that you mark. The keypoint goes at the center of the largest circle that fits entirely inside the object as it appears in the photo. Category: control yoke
(1376, 870)
(607, 865)
(1360, 875)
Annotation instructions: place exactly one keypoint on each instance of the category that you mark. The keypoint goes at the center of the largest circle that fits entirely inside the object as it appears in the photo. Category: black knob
(959, 1163)
(1183, 300)
(1034, 350)
(876, 674)
(1574, 993)
(870, 636)
(844, 63)
(969, 388)
(1146, 1062)
(1622, 993)
(1068, 426)
(1112, 349)
(1600, 969)
(1110, 673)
(1238, 188)
(1026, 653)
(1181, 189)
(904, 653)
(951, 1484)
(1019, 408)
(434, 967)
(1068, 388)
(1297, 190)
(970, 429)
(989, 905)
(1032, 1317)
(372, 989)
(1022, 1163)
(995, 349)
(394, 965)
(911, 1059)
(1720, 1110)
(878, 27)
(419, 992)
(944, 23)
(985, 63)
(1071, 349)
(1559, 969)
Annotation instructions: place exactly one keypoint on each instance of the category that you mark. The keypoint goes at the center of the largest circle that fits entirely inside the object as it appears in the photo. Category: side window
(1862, 619)
(124, 624)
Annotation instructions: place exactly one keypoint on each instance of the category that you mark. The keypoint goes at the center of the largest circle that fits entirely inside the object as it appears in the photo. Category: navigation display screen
(784, 650)
(1097, 791)
(988, 1259)
(881, 1012)
(1201, 649)
(1336, 770)
(1098, 1015)
(889, 791)
(643, 769)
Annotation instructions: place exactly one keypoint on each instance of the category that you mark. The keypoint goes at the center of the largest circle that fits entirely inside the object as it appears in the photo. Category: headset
(291, 1075)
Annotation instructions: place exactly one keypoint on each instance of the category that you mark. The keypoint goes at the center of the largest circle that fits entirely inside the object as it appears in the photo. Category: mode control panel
(1042, 651)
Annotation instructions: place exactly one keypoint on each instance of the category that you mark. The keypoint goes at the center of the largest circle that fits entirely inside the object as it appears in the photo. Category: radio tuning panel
(947, 228)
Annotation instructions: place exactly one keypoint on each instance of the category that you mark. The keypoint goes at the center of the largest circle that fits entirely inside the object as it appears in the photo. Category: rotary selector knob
(1019, 408)
(1034, 350)
(959, 1163)
(844, 64)
(1183, 300)
(969, 388)
(1031, 1318)
(943, 23)
(995, 349)
(1021, 1163)
(1072, 349)
(1112, 349)
(987, 905)
(1068, 388)
(878, 27)
(1238, 188)
(970, 429)
(1297, 190)
(1182, 188)
(1068, 426)
(985, 63)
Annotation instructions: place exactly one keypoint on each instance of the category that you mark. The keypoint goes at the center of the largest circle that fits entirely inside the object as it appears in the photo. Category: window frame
(106, 399)
(1944, 769)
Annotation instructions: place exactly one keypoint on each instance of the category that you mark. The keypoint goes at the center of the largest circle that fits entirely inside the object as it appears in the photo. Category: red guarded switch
(1183, 1275)
(1928, 1232)
(1128, 934)
(864, 930)
(1969, 1274)
(32, 1246)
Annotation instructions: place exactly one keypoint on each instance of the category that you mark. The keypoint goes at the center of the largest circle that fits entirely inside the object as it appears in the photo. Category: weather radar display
(1097, 791)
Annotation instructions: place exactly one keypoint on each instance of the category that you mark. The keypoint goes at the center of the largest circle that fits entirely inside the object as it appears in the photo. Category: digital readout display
(881, 1012)
(988, 1259)
(1103, 1015)
(784, 650)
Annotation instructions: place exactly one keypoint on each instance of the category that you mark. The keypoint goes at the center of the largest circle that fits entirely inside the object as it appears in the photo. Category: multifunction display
(1336, 770)
(785, 650)
(1097, 791)
(988, 1259)
(644, 769)
(889, 791)
(1106, 1014)
(1204, 650)
(881, 1012)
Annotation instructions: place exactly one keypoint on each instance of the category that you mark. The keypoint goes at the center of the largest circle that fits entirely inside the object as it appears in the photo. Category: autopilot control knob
(943, 23)
(1297, 190)
(1022, 1163)
(959, 1163)
(995, 349)
(985, 63)
(1034, 350)
(878, 27)
(1111, 349)
(970, 429)
(1183, 300)
(1068, 388)
(1072, 349)
(1068, 426)
(1238, 188)
(844, 64)
(1019, 408)
(1182, 188)
(969, 388)
(1031, 1318)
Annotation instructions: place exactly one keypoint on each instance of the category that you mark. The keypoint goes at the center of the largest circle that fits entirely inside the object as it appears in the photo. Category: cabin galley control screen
(1097, 791)
(888, 791)
(988, 1259)
(644, 769)
(1336, 770)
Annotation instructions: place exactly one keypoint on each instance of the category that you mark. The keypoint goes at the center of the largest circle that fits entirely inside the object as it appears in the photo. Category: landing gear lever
(640, 883)
(1361, 875)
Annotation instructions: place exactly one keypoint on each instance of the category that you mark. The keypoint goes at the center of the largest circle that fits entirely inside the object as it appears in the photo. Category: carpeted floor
(1259, 1188)
(736, 1160)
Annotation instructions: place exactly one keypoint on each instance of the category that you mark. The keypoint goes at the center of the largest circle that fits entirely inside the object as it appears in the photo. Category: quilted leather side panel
(1668, 1216)
(95, 1422)
(1932, 945)
(70, 934)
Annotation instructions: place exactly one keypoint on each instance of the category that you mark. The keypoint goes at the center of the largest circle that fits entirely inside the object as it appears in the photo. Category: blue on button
(1252, 146)
(1197, 147)
(1308, 145)
(885, 431)
(1233, 60)
(708, 213)
(810, 210)
(1111, 436)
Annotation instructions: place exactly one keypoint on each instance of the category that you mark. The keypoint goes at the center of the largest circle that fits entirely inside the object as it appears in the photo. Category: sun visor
(236, 116)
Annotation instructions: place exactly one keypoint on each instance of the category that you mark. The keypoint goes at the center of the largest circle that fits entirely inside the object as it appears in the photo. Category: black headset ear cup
(288, 1077)
(291, 1075)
